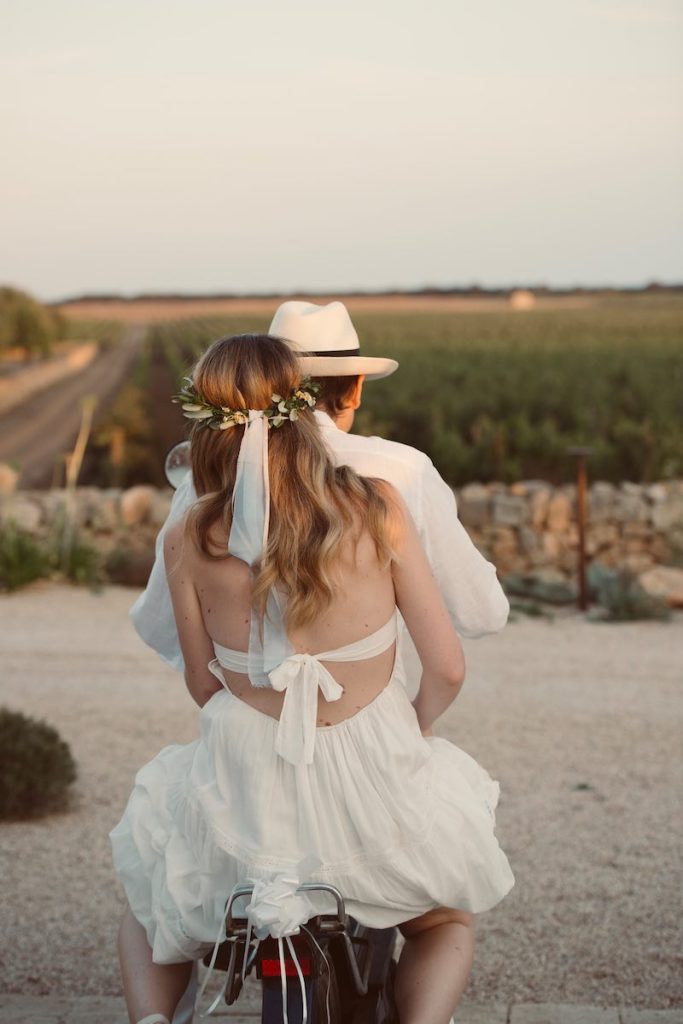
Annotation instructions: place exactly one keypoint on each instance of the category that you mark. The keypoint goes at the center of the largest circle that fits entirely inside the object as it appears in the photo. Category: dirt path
(34, 435)
(579, 721)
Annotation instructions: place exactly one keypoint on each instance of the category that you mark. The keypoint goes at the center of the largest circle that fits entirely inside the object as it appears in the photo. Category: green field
(500, 396)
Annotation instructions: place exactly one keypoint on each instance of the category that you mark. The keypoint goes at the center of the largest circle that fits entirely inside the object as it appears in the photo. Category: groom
(326, 342)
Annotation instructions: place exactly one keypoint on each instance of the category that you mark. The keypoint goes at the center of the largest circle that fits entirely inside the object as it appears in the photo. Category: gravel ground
(580, 722)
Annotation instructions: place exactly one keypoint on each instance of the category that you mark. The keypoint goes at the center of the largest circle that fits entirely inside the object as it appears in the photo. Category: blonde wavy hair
(315, 506)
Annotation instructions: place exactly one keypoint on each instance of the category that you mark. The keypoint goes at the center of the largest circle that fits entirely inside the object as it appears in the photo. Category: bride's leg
(434, 966)
(148, 987)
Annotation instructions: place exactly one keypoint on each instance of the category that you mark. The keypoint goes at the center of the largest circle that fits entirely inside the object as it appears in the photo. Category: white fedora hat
(326, 341)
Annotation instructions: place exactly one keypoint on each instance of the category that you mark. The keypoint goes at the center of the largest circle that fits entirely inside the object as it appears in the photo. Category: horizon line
(474, 289)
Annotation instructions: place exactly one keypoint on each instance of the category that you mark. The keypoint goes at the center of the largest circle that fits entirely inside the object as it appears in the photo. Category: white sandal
(155, 1018)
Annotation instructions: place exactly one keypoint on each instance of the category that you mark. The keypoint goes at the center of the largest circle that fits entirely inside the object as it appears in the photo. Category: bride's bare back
(363, 601)
(212, 603)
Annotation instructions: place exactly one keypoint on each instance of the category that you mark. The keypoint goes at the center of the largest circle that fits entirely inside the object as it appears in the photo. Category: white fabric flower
(277, 909)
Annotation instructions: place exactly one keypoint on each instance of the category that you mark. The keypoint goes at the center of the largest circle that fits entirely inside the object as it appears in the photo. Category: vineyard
(490, 396)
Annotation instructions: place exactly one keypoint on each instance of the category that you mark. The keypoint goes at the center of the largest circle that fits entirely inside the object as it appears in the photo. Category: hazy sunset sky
(209, 145)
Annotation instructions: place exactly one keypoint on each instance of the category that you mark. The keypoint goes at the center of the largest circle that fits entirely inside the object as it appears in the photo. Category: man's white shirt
(468, 582)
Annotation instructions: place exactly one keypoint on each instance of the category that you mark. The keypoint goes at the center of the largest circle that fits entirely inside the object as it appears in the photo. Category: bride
(286, 577)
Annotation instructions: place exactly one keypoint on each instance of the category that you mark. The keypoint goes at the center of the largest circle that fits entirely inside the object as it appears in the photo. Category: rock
(600, 535)
(9, 479)
(137, 504)
(474, 505)
(551, 544)
(571, 537)
(105, 515)
(529, 540)
(668, 514)
(538, 559)
(538, 506)
(87, 502)
(510, 509)
(129, 567)
(559, 512)
(636, 561)
(502, 543)
(602, 497)
(656, 493)
(161, 506)
(661, 548)
(23, 511)
(631, 504)
(664, 581)
(641, 530)
(609, 558)
(54, 503)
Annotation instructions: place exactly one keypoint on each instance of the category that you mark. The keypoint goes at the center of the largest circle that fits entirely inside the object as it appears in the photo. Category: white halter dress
(399, 823)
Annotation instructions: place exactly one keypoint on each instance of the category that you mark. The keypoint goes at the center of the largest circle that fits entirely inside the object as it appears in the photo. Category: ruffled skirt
(398, 823)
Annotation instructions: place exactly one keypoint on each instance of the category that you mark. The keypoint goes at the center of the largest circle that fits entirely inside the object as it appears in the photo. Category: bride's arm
(195, 642)
(420, 602)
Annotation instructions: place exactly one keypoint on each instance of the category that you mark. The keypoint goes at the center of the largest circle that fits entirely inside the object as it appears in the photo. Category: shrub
(22, 559)
(82, 564)
(26, 324)
(36, 767)
(622, 597)
(128, 567)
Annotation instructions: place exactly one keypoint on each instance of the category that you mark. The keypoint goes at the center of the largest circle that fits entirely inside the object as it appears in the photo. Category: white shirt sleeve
(468, 582)
(152, 613)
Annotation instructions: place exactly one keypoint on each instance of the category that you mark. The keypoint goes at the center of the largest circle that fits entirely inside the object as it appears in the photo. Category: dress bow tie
(301, 676)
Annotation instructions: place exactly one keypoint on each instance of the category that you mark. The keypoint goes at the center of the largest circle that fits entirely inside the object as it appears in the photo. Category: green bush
(22, 559)
(622, 597)
(82, 564)
(26, 324)
(36, 767)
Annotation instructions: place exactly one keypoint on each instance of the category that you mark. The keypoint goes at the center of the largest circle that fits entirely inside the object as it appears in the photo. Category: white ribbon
(268, 643)
(277, 909)
(301, 676)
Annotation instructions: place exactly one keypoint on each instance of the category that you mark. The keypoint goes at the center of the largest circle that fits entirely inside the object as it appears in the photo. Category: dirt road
(35, 435)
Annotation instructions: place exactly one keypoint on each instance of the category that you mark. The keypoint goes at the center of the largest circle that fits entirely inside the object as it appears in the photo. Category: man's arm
(468, 582)
(152, 613)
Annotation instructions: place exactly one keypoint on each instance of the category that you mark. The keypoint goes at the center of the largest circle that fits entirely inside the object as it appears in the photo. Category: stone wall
(525, 527)
(531, 525)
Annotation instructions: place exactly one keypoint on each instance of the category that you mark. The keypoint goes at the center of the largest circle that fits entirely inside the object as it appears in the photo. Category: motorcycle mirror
(177, 463)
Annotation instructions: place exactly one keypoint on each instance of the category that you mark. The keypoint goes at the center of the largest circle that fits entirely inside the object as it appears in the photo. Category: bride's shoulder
(175, 544)
(198, 548)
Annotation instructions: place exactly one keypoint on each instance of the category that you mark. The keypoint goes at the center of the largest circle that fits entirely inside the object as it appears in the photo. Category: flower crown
(221, 418)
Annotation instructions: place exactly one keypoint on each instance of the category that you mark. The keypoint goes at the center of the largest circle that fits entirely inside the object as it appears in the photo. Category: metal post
(581, 452)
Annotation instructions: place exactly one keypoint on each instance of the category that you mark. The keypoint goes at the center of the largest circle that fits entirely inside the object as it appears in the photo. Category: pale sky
(209, 145)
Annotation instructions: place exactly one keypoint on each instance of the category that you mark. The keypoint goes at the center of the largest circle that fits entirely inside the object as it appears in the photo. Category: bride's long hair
(315, 506)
